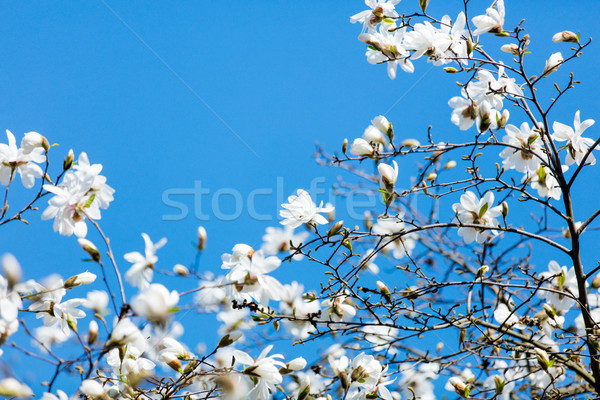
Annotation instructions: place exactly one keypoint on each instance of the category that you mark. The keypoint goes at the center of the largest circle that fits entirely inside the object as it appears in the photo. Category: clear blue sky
(281, 75)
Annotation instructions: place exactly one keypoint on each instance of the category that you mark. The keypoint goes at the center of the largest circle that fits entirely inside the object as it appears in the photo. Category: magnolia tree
(476, 306)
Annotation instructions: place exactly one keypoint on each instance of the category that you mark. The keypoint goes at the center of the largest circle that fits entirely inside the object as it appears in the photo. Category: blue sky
(129, 83)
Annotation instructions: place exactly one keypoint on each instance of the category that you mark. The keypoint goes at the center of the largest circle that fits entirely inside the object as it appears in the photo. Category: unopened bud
(504, 209)
(566, 36)
(385, 292)
(499, 383)
(549, 311)
(229, 339)
(345, 146)
(296, 364)
(92, 332)
(85, 278)
(431, 176)
(596, 282)
(68, 162)
(451, 70)
(484, 269)
(347, 244)
(11, 269)
(460, 387)
(423, 4)
(89, 248)
(510, 48)
(335, 228)
(450, 164)
(503, 119)
(201, 238)
(181, 270)
(543, 359)
(410, 143)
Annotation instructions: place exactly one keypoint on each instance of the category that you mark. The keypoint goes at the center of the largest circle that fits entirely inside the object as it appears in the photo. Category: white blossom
(492, 21)
(301, 209)
(474, 211)
(17, 160)
(141, 272)
(577, 146)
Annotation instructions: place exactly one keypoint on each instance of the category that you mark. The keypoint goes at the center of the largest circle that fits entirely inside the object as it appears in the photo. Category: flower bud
(460, 387)
(543, 359)
(345, 146)
(181, 270)
(31, 140)
(296, 364)
(389, 176)
(10, 387)
(423, 4)
(553, 63)
(12, 269)
(335, 228)
(368, 220)
(566, 36)
(510, 48)
(431, 176)
(201, 238)
(549, 311)
(450, 164)
(410, 143)
(596, 282)
(380, 122)
(89, 248)
(384, 290)
(68, 162)
(85, 278)
(229, 339)
(451, 70)
(504, 209)
(499, 383)
(92, 332)
(360, 147)
(503, 119)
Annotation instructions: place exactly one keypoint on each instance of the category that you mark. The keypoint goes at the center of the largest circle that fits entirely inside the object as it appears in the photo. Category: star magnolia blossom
(492, 21)
(388, 46)
(380, 9)
(82, 192)
(251, 280)
(577, 146)
(302, 210)
(529, 143)
(560, 279)
(14, 159)
(475, 211)
(278, 240)
(544, 182)
(141, 272)
(264, 369)
(155, 303)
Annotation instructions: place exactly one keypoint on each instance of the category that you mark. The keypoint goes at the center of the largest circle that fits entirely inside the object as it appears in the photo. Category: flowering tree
(483, 302)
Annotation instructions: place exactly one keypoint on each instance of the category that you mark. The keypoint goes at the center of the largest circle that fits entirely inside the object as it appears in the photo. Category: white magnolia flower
(91, 388)
(11, 269)
(360, 147)
(527, 157)
(365, 370)
(492, 21)
(212, 294)
(251, 280)
(465, 111)
(427, 40)
(32, 140)
(82, 192)
(380, 9)
(277, 240)
(374, 135)
(398, 245)
(294, 303)
(155, 303)
(48, 336)
(97, 300)
(562, 280)
(387, 46)
(10, 387)
(132, 366)
(381, 336)
(141, 272)
(125, 332)
(338, 308)
(388, 175)
(544, 182)
(300, 209)
(472, 210)
(505, 315)
(265, 371)
(577, 146)
(17, 160)
(552, 64)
